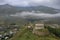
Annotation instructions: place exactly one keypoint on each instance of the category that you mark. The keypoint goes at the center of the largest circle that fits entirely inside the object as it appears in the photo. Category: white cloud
(38, 15)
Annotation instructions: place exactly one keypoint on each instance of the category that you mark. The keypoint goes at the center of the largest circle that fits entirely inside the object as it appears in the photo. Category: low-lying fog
(37, 15)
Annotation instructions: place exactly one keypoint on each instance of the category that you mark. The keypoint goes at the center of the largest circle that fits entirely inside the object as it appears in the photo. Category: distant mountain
(43, 9)
(8, 9)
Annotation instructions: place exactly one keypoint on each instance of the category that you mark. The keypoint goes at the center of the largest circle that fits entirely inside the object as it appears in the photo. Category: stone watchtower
(39, 29)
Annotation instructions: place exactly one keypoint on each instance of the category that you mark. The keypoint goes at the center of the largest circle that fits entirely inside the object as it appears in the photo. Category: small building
(30, 28)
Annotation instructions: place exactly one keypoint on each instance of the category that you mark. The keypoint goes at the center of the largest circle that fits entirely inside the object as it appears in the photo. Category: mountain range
(8, 9)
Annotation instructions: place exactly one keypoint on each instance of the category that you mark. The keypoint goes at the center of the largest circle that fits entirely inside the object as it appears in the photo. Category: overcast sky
(50, 3)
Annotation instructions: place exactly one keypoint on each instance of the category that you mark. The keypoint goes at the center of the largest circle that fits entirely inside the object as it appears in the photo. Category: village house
(6, 32)
(30, 26)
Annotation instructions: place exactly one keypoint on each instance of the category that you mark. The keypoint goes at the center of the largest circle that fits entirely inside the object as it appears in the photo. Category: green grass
(28, 35)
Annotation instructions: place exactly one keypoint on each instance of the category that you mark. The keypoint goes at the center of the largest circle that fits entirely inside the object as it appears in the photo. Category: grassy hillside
(26, 34)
